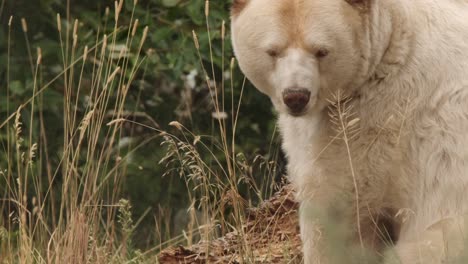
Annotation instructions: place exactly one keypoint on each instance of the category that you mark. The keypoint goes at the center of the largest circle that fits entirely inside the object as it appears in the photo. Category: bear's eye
(322, 53)
(272, 53)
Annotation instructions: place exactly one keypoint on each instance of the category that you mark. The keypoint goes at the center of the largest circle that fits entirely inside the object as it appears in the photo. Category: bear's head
(299, 52)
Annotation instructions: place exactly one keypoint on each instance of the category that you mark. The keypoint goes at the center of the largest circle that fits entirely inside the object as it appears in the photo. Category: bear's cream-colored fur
(382, 145)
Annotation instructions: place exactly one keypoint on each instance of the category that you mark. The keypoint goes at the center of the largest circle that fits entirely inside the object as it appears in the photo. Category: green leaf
(170, 3)
(16, 87)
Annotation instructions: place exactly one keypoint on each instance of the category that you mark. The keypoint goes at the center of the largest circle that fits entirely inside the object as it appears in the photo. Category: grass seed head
(233, 63)
(39, 56)
(75, 27)
(116, 121)
(207, 8)
(85, 53)
(32, 152)
(112, 76)
(195, 40)
(59, 23)
(135, 26)
(104, 45)
(24, 25)
(176, 125)
(223, 30)
(143, 38)
(118, 9)
(85, 123)
(17, 124)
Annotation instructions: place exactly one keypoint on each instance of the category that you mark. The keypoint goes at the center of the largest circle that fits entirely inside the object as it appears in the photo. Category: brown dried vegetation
(271, 236)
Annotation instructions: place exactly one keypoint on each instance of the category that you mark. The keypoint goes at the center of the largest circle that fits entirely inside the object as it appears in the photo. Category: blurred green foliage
(170, 86)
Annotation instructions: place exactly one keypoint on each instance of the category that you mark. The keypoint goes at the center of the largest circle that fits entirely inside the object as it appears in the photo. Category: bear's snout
(296, 100)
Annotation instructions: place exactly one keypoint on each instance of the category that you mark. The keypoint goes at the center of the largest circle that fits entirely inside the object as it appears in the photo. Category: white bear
(372, 99)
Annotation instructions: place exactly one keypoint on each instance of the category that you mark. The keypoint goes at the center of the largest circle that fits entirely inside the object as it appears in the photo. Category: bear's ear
(362, 5)
(238, 6)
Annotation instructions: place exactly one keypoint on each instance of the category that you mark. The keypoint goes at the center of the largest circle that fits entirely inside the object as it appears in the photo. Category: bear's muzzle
(296, 100)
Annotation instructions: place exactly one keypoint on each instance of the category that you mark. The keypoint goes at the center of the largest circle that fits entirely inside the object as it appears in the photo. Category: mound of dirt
(271, 236)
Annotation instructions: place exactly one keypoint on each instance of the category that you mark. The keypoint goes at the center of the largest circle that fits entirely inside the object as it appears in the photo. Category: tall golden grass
(87, 221)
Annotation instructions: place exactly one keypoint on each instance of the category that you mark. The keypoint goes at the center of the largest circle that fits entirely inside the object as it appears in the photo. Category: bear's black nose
(296, 100)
